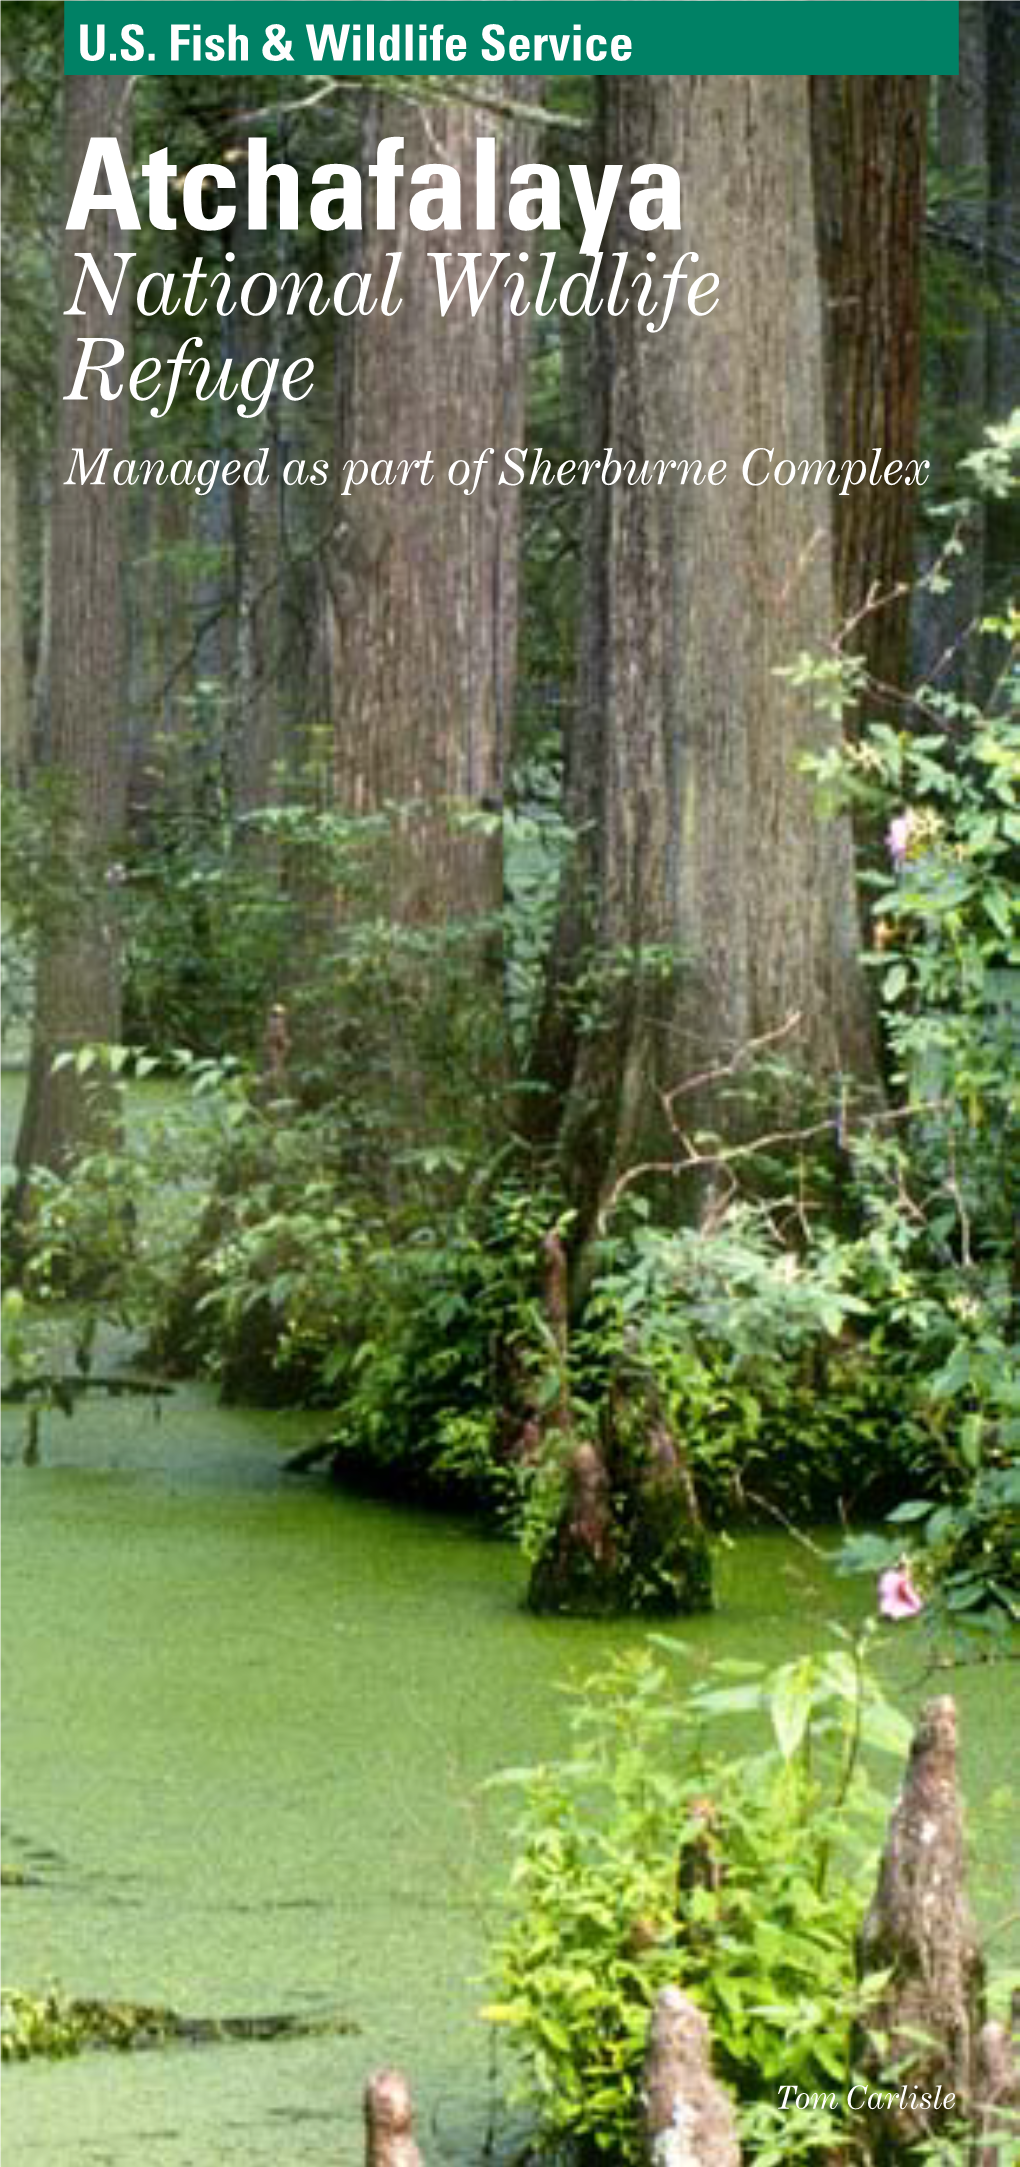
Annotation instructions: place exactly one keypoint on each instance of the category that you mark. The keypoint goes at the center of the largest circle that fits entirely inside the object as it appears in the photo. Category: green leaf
(727, 1666)
(1003, 917)
(972, 1431)
(965, 1594)
(790, 1706)
(885, 1728)
(729, 1700)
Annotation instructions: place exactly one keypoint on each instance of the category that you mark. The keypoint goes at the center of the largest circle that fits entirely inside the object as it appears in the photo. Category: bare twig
(738, 1061)
(797, 1533)
(421, 90)
(720, 1159)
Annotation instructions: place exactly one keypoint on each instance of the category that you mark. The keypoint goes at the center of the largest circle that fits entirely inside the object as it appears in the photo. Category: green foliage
(21, 1351)
(992, 468)
(41, 2024)
(946, 922)
(205, 941)
(765, 1358)
(208, 924)
(452, 1327)
(948, 960)
(652, 1856)
(938, 1185)
(204, 932)
(46, 873)
(341, 1229)
(55, 2024)
(536, 844)
(228, 1247)
(17, 990)
(227, 1228)
(838, 1333)
(33, 70)
(947, 925)
(116, 1228)
(962, 1556)
(977, 1387)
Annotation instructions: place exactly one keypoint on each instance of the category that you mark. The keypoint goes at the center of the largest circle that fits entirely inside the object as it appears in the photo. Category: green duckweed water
(247, 1720)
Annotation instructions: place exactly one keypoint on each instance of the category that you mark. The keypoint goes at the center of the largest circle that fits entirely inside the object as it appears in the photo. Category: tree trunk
(257, 691)
(717, 904)
(17, 735)
(425, 586)
(869, 134)
(423, 606)
(77, 984)
(957, 324)
(256, 741)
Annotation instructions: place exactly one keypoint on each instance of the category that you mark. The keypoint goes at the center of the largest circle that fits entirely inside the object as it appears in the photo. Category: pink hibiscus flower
(898, 838)
(897, 1595)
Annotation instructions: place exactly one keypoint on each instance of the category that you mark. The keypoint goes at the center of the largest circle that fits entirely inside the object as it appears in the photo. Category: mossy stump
(628, 1538)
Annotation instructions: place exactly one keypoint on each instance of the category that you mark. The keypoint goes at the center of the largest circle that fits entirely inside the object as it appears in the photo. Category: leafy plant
(454, 1335)
(207, 923)
(765, 1357)
(115, 1228)
(650, 1856)
(946, 949)
(962, 1556)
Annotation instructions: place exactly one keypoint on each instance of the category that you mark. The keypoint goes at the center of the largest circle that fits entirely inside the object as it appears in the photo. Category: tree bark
(869, 136)
(78, 978)
(16, 732)
(423, 627)
(957, 366)
(973, 335)
(716, 903)
(424, 585)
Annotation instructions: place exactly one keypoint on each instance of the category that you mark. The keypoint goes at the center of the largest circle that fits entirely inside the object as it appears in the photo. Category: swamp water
(246, 1724)
(247, 1719)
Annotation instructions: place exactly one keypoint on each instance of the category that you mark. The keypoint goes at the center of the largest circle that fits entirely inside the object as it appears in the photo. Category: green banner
(595, 37)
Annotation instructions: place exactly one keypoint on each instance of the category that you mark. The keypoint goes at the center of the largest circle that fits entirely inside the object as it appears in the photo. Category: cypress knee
(926, 2020)
(689, 2118)
(389, 2119)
